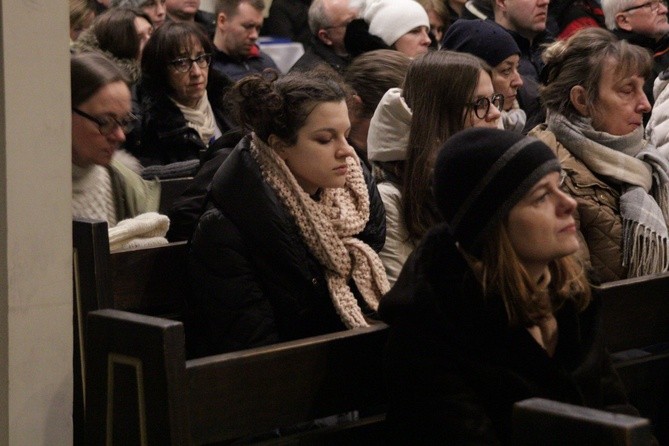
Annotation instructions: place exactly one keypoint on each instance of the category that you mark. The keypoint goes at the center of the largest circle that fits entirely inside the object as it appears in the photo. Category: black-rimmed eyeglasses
(653, 5)
(107, 125)
(184, 64)
(481, 106)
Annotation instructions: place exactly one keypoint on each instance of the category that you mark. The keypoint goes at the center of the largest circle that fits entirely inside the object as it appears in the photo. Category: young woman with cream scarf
(593, 91)
(288, 247)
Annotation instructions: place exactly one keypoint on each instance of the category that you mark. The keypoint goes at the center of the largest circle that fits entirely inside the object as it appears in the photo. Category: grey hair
(318, 17)
(613, 7)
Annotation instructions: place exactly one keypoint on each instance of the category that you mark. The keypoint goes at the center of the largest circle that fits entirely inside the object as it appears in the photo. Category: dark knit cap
(482, 38)
(480, 174)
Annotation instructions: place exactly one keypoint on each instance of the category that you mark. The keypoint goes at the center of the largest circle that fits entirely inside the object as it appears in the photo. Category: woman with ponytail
(288, 248)
(593, 93)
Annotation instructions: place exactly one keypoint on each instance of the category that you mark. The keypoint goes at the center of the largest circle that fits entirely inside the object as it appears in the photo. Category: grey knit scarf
(642, 174)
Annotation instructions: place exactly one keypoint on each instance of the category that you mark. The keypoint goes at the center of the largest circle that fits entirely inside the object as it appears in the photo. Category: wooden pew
(147, 281)
(162, 398)
(635, 317)
(550, 423)
(635, 314)
(151, 281)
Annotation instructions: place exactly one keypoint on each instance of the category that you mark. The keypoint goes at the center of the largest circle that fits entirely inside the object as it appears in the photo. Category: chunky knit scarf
(92, 195)
(201, 118)
(643, 175)
(328, 228)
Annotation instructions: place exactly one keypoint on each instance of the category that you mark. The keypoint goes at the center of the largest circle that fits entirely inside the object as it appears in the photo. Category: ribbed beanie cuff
(480, 174)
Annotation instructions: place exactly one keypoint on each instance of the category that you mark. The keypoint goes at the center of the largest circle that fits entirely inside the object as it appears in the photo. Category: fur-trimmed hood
(88, 42)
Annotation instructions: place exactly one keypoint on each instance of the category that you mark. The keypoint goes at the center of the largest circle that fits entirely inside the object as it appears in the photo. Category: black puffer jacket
(166, 137)
(455, 367)
(254, 280)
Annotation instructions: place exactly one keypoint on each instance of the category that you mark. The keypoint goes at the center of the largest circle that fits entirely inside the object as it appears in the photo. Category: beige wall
(35, 225)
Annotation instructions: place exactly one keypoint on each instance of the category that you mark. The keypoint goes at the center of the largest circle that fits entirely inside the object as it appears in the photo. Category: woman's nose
(644, 106)
(567, 204)
(345, 149)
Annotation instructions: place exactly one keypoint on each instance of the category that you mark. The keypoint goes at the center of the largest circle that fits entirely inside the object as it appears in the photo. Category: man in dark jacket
(327, 21)
(238, 24)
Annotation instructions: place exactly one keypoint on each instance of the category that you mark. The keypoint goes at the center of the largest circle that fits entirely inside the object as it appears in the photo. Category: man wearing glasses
(643, 23)
(238, 24)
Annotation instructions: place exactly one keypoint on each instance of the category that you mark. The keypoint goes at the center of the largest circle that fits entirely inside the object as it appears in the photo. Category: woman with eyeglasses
(182, 99)
(492, 43)
(444, 92)
(104, 186)
(593, 93)
(494, 306)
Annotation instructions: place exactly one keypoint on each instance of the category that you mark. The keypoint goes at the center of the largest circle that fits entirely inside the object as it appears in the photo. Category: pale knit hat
(391, 19)
(388, 136)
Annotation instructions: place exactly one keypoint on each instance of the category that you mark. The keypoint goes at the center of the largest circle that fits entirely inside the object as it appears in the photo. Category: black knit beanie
(482, 38)
(480, 174)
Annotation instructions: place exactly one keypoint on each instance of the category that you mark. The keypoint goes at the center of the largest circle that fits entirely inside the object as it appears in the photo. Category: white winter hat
(391, 19)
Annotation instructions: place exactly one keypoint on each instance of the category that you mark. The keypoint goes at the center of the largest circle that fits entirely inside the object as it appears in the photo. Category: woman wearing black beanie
(493, 307)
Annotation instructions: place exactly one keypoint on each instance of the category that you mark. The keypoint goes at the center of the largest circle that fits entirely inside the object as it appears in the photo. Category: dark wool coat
(454, 368)
(255, 281)
(236, 69)
(166, 137)
(320, 54)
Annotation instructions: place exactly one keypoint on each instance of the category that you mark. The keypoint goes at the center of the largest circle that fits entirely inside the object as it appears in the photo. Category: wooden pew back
(146, 281)
(635, 314)
(228, 396)
(550, 423)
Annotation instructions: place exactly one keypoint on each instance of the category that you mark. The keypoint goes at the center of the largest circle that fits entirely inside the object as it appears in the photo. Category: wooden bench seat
(170, 400)
(149, 281)
(550, 423)
(635, 316)
(250, 392)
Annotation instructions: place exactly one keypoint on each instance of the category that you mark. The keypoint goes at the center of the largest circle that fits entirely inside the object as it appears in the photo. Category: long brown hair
(437, 88)
(526, 302)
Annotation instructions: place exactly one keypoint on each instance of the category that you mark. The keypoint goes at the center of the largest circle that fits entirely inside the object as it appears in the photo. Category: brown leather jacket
(598, 216)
